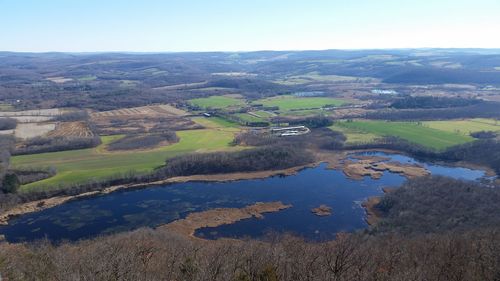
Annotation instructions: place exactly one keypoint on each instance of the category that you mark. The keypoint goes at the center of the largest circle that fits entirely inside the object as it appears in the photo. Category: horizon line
(252, 51)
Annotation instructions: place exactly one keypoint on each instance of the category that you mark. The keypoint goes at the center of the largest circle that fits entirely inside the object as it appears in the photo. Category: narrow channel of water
(153, 206)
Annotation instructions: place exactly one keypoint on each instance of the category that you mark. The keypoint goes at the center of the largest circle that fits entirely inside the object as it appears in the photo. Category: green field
(216, 123)
(465, 127)
(413, 132)
(218, 102)
(354, 136)
(316, 77)
(245, 117)
(6, 107)
(84, 165)
(288, 102)
(264, 114)
(87, 78)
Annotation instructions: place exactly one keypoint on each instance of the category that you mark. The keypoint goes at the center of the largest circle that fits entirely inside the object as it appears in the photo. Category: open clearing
(219, 102)
(84, 165)
(32, 130)
(465, 127)
(37, 112)
(354, 136)
(315, 77)
(246, 117)
(288, 102)
(410, 131)
(216, 123)
(59, 79)
(149, 111)
(71, 129)
(6, 107)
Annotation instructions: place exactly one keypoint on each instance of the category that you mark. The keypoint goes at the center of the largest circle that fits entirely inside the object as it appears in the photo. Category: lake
(149, 207)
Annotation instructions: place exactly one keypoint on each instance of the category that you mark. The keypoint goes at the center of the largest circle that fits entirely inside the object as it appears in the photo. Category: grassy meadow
(218, 102)
(354, 136)
(84, 165)
(411, 131)
(288, 102)
(465, 127)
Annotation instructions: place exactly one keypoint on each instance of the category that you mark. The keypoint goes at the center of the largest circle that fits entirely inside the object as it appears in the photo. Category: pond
(149, 207)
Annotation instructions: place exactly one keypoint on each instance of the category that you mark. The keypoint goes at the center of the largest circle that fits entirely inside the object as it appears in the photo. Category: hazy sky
(240, 25)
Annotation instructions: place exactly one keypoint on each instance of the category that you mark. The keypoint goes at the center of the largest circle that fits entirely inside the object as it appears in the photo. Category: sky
(245, 25)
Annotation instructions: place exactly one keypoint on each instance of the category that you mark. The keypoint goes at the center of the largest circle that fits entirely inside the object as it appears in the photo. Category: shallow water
(153, 206)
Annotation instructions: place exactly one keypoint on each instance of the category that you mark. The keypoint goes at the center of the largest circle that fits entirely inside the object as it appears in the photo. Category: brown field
(146, 111)
(71, 129)
(348, 112)
(133, 125)
(31, 130)
(142, 119)
(183, 86)
(37, 112)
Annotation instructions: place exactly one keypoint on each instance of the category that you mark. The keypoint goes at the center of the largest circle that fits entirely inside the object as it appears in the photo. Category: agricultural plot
(410, 131)
(38, 112)
(264, 114)
(59, 79)
(85, 165)
(32, 130)
(71, 129)
(289, 102)
(354, 136)
(247, 117)
(465, 127)
(150, 111)
(217, 102)
(6, 107)
(315, 77)
(216, 123)
(142, 119)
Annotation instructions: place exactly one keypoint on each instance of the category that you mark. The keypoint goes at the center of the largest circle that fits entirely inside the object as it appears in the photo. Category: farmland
(410, 131)
(71, 129)
(316, 77)
(288, 102)
(150, 111)
(246, 117)
(354, 136)
(84, 165)
(464, 127)
(217, 102)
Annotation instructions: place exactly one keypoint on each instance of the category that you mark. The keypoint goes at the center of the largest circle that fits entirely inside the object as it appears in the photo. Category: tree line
(151, 140)
(479, 110)
(437, 204)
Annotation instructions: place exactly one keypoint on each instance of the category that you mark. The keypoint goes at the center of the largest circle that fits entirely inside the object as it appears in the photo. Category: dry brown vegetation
(374, 167)
(322, 210)
(142, 120)
(161, 255)
(221, 216)
(145, 111)
(72, 129)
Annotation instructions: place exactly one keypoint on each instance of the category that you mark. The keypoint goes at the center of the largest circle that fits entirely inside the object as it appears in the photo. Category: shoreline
(334, 160)
(42, 204)
(372, 214)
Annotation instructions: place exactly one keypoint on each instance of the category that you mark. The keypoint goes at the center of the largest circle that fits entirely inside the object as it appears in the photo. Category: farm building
(290, 131)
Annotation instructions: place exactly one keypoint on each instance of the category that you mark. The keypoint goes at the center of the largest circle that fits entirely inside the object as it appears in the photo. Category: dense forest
(432, 102)
(257, 159)
(479, 110)
(59, 143)
(438, 205)
(143, 141)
